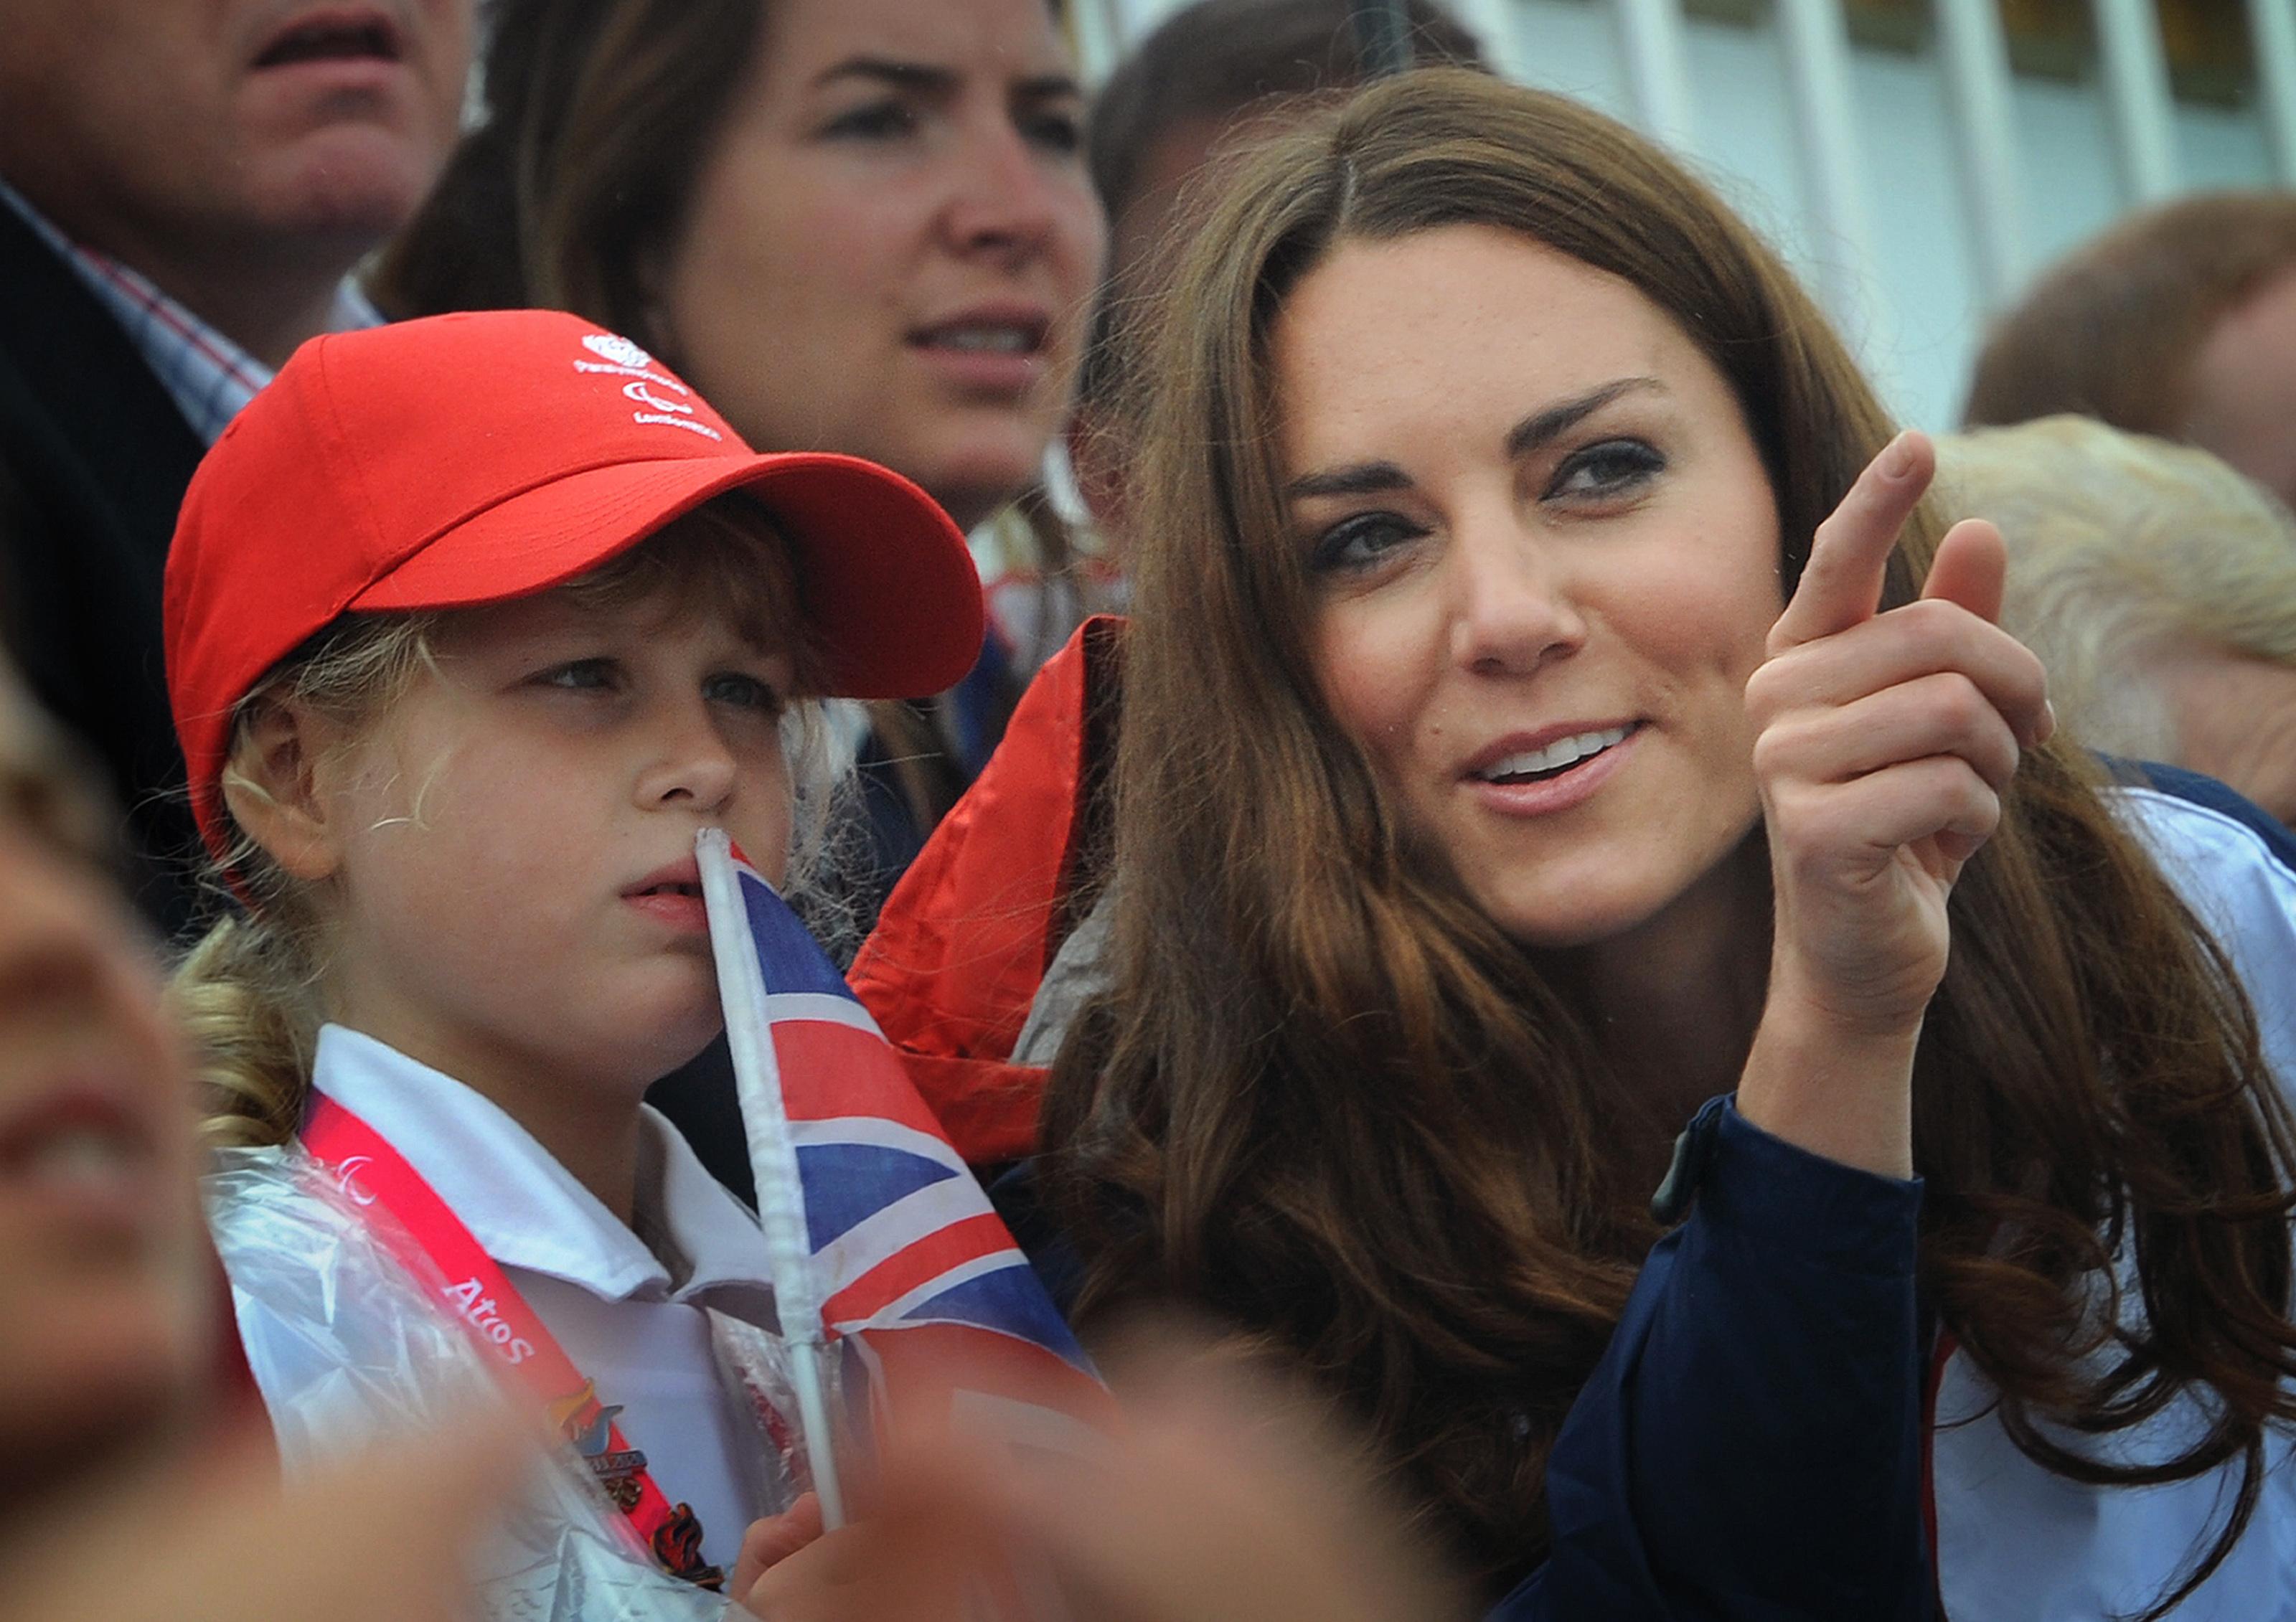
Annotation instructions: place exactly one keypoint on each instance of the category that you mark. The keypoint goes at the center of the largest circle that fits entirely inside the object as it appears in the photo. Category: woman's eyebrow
(1362, 479)
(919, 77)
(925, 79)
(1539, 429)
(1372, 478)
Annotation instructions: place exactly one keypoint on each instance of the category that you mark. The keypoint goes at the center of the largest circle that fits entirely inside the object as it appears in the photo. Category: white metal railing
(2272, 40)
(2135, 71)
(1816, 43)
(1658, 70)
(1985, 119)
(1974, 57)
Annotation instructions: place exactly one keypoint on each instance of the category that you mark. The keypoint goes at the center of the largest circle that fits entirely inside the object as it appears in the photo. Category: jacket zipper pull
(1679, 1190)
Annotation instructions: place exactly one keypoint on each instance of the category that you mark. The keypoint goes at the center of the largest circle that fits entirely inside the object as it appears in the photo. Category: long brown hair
(1326, 1099)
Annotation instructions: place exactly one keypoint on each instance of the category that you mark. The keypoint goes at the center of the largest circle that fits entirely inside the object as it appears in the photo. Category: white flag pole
(772, 1159)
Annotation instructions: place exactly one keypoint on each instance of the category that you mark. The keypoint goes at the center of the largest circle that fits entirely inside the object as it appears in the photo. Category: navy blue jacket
(1750, 1447)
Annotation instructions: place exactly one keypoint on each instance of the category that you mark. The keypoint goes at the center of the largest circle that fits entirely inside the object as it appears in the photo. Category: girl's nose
(694, 767)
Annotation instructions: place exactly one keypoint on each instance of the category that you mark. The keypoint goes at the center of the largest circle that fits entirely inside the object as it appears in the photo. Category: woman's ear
(271, 786)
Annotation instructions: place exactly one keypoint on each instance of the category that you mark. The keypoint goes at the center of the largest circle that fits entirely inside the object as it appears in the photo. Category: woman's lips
(1572, 786)
(988, 352)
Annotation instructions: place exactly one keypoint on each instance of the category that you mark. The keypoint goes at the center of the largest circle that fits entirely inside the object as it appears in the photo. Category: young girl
(471, 623)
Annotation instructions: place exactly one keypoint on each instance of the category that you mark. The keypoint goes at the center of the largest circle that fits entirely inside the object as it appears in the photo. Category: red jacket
(954, 964)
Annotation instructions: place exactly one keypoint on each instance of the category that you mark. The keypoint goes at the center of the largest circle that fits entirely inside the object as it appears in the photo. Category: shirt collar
(523, 1207)
(209, 376)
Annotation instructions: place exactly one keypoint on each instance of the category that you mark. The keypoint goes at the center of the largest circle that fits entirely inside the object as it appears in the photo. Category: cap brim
(889, 589)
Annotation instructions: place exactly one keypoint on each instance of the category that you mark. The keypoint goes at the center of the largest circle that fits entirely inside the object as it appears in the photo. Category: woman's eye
(876, 121)
(743, 691)
(1059, 132)
(1361, 542)
(1613, 468)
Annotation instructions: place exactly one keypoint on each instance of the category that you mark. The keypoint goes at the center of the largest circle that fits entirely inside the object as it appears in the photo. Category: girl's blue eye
(1361, 541)
(744, 692)
(581, 675)
(1609, 469)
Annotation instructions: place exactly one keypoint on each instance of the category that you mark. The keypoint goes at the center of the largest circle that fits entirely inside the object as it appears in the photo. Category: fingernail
(1897, 458)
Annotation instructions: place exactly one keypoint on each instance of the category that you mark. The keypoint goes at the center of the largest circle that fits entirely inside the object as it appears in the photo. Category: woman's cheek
(1366, 675)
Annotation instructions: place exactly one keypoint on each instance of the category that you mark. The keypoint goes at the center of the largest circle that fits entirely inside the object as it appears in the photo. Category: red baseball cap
(467, 459)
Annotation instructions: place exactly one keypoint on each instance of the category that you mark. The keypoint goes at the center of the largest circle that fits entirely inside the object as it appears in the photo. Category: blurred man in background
(183, 189)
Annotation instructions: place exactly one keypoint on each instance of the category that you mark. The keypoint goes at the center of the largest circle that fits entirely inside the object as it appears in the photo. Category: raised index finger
(1842, 584)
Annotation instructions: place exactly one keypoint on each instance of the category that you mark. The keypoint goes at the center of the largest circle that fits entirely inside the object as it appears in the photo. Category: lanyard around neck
(430, 1240)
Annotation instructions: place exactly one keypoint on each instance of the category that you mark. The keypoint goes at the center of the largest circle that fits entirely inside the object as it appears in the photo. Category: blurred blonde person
(2159, 587)
(125, 1429)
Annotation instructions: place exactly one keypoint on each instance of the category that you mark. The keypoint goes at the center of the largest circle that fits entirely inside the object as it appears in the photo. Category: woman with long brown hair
(1535, 723)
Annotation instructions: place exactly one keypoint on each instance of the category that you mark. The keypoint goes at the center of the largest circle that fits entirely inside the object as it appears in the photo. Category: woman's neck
(1674, 1003)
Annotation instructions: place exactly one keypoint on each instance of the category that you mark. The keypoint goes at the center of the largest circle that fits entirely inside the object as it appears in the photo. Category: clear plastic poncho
(348, 1346)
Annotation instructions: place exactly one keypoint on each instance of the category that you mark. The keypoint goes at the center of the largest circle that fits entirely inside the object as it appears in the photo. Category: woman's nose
(1513, 608)
(1003, 201)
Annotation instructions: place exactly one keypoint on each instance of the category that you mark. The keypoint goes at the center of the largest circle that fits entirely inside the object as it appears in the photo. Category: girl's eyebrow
(1540, 428)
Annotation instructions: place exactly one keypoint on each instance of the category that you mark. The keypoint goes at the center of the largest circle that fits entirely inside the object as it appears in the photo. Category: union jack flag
(917, 1276)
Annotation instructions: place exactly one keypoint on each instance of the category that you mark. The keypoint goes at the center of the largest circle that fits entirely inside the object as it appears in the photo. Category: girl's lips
(1570, 787)
(678, 910)
(671, 895)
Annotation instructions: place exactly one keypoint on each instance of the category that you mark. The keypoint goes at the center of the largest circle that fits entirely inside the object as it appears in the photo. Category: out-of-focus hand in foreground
(1225, 1497)
(384, 1537)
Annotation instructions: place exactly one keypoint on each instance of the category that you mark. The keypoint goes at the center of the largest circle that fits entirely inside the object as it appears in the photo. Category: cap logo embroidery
(644, 396)
(619, 358)
(613, 348)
